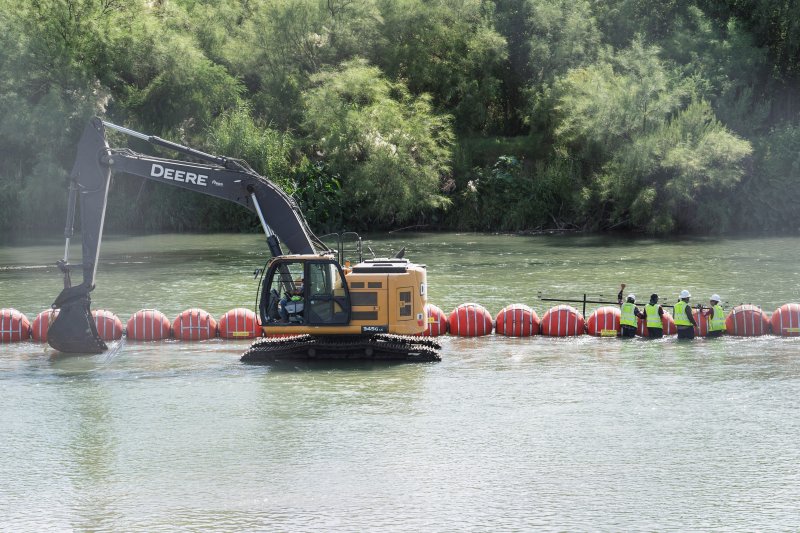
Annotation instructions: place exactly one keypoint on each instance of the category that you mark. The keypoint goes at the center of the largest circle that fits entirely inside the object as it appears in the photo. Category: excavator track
(381, 347)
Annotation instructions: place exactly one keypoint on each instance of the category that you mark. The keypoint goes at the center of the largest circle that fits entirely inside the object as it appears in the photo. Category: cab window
(328, 301)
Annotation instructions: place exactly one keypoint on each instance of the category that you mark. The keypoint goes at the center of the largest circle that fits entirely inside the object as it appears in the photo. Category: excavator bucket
(74, 330)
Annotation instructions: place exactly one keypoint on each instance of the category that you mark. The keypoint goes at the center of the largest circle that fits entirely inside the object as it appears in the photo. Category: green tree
(656, 157)
(450, 50)
(389, 147)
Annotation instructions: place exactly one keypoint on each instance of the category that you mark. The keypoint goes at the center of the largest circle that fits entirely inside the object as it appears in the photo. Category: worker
(291, 305)
(716, 317)
(652, 317)
(628, 313)
(684, 318)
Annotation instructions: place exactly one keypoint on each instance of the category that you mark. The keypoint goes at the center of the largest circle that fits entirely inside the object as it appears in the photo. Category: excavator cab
(304, 291)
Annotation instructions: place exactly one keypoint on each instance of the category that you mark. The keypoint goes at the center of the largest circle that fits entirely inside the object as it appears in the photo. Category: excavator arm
(73, 330)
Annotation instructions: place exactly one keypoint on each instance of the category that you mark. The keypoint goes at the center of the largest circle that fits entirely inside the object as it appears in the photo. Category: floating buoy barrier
(562, 321)
(701, 329)
(604, 322)
(14, 326)
(747, 321)
(786, 320)
(194, 325)
(42, 323)
(239, 323)
(466, 320)
(148, 325)
(109, 326)
(470, 320)
(436, 321)
(517, 320)
(667, 325)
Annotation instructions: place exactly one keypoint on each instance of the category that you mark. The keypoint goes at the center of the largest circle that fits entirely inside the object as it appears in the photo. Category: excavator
(311, 303)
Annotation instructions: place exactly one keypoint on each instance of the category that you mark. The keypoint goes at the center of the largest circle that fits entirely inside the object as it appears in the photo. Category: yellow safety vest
(717, 322)
(653, 320)
(680, 314)
(627, 315)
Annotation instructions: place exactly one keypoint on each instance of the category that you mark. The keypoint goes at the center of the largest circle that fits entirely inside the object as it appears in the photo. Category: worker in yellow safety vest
(652, 316)
(684, 318)
(628, 314)
(716, 317)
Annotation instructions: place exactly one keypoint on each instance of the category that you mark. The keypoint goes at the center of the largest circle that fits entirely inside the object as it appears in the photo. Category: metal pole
(572, 300)
(264, 224)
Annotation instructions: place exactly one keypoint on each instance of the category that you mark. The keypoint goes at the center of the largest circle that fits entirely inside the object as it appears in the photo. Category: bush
(390, 148)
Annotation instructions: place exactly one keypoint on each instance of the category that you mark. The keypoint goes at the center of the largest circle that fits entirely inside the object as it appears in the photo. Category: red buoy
(42, 323)
(667, 325)
(470, 320)
(148, 325)
(109, 326)
(747, 321)
(194, 325)
(786, 320)
(701, 329)
(14, 326)
(562, 321)
(436, 321)
(239, 323)
(517, 320)
(604, 322)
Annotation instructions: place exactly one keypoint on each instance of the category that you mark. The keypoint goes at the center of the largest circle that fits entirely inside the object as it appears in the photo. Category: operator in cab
(291, 305)
(629, 313)
(684, 318)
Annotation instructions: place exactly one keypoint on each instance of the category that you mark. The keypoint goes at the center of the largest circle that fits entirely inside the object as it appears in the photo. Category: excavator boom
(74, 330)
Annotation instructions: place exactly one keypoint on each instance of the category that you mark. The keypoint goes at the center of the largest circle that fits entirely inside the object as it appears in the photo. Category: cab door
(327, 294)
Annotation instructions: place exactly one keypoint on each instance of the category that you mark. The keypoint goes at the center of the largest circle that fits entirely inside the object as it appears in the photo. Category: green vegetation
(505, 115)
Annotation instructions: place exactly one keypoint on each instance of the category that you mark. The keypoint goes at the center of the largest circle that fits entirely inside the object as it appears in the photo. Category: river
(502, 434)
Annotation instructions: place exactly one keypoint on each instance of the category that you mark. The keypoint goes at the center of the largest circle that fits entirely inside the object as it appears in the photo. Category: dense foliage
(656, 117)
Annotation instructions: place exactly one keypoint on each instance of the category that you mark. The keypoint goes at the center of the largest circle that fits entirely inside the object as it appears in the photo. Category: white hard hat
(631, 296)
(685, 294)
(715, 298)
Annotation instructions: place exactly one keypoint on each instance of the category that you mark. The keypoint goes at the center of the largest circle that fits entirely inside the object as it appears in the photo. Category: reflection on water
(503, 434)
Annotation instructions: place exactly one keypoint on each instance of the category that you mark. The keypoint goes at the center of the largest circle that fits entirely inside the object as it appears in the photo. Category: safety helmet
(715, 298)
(631, 297)
(685, 294)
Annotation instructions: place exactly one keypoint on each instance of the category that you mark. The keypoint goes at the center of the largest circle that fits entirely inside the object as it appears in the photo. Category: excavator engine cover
(74, 330)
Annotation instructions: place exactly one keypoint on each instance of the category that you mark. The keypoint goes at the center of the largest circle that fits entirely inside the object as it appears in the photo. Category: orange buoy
(194, 325)
(517, 320)
(701, 329)
(786, 320)
(747, 321)
(148, 325)
(667, 325)
(436, 323)
(239, 323)
(604, 322)
(42, 323)
(14, 326)
(109, 326)
(470, 320)
(562, 321)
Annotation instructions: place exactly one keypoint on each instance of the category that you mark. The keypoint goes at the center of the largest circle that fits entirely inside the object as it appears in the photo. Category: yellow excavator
(312, 304)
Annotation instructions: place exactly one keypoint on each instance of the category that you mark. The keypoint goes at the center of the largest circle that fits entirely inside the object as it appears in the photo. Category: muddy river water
(502, 434)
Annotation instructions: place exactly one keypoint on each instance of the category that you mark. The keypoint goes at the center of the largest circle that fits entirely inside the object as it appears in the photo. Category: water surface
(503, 434)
